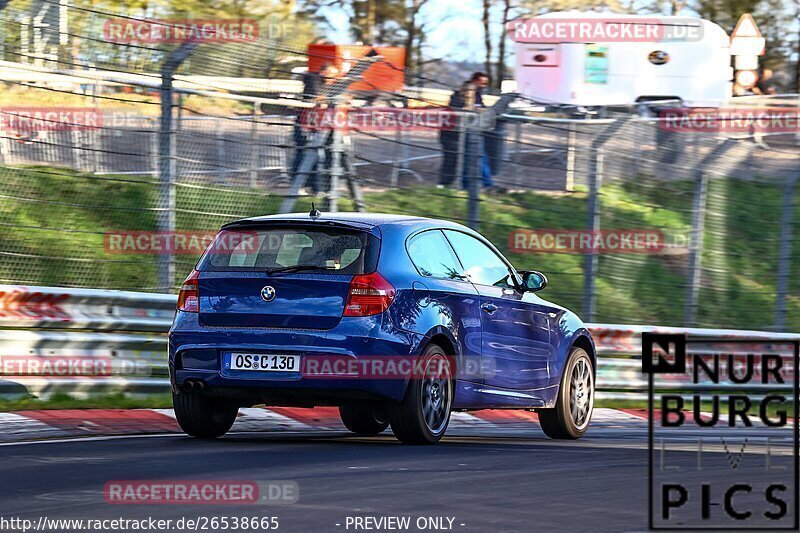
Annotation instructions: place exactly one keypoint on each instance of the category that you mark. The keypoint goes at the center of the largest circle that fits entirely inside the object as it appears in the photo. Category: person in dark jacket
(313, 90)
(468, 97)
(765, 85)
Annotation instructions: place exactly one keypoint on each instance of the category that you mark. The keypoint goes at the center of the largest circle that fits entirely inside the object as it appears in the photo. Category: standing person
(738, 90)
(312, 83)
(313, 90)
(764, 86)
(494, 149)
(323, 182)
(468, 97)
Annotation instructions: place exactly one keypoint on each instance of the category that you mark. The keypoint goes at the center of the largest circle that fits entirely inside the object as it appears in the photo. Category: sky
(458, 34)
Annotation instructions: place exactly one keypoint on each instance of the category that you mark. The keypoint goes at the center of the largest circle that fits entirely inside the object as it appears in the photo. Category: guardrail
(619, 349)
(125, 333)
(264, 90)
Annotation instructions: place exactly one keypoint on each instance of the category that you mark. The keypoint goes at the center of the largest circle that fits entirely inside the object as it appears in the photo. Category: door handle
(489, 308)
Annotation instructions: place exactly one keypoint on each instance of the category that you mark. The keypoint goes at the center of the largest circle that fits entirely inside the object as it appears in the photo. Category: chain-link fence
(120, 159)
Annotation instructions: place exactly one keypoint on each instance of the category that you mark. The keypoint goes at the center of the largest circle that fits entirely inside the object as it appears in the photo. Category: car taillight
(370, 294)
(189, 297)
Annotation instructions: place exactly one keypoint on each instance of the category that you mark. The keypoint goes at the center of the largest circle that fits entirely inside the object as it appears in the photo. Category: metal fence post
(219, 141)
(693, 277)
(472, 173)
(154, 142)
(401, 166)
(166, 163)
(166, 174)
(637, 148)
(591, 261)
(332, 203)
(178, 131)
(337, 149)
(3, 4)
(785, 251)
(572, 139)
(461, 123)
(25, 39)
(254, 148)
(5, 150)
(96, 139)
(696, 248)
(77, 145)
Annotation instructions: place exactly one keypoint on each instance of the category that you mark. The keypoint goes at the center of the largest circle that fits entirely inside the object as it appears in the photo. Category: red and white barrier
(43, 322)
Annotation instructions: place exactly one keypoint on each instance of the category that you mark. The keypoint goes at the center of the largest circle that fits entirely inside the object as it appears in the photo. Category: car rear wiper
(299, 268)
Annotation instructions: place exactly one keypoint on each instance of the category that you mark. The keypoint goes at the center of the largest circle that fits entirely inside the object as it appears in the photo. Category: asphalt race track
(507, 479)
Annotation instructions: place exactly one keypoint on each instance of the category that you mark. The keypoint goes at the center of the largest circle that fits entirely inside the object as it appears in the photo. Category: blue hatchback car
(394, 319)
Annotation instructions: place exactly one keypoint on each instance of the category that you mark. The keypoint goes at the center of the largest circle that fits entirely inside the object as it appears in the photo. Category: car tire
(202, 416)
(570, 418)
(363, 419)
(423, 415)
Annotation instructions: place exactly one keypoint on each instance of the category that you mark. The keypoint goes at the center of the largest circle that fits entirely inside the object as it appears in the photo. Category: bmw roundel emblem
(268, 293)
(658, 57)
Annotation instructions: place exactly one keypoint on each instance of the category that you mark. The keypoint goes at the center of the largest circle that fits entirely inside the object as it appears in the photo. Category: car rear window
(328, 249)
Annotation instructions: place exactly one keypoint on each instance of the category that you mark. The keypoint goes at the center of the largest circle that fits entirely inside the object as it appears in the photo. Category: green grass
(72, 212)
(108, 401)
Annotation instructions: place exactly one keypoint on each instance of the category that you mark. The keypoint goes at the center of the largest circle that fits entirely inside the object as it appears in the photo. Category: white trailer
(695, 69)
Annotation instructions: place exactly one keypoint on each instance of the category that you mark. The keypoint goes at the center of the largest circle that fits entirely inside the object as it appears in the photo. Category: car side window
(432, 255)
(482, 265)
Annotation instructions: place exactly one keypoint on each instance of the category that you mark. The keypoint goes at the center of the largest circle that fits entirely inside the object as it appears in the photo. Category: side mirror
(533, 281)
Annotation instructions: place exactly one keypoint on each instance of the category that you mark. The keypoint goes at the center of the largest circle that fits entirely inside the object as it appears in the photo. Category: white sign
(746, 62)
(746, 39)
(747, 78)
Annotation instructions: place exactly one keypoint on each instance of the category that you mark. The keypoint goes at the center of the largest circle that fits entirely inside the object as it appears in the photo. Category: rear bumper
(352, 338)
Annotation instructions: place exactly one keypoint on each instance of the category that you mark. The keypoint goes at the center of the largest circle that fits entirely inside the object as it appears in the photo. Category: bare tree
(545, 6)
(414, 33)
(670, 7)
(487, 35)
(676, 6)
(501, 47)
(797, 51)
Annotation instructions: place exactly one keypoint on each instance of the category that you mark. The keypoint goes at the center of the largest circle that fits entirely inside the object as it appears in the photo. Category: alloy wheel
(581, 393)
(437, 394)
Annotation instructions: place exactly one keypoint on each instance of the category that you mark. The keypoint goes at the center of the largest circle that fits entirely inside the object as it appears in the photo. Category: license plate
(263, 362)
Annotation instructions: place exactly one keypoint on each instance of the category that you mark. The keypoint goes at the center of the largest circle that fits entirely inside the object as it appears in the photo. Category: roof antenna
(314, 214)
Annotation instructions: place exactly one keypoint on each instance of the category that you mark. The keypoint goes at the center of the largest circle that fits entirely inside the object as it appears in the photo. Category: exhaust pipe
(194, 385)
